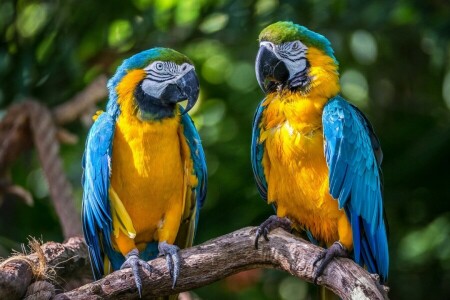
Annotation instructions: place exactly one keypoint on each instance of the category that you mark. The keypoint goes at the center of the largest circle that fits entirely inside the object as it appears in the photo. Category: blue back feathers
(257, 153)
(355, 181)
(198, 158)
(96, 212)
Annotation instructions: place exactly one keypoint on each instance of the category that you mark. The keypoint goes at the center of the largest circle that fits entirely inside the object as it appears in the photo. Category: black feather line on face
(301, 81)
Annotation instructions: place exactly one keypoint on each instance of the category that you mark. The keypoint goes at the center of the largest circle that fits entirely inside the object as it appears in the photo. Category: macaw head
(293, 57)
(151, 83)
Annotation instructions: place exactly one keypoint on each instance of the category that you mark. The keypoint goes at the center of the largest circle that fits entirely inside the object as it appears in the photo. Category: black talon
(270, 224)
(336, 250)
(133, 261)
(172, 260)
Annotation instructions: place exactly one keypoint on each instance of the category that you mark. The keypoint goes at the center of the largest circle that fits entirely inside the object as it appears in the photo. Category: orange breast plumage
(295, 167)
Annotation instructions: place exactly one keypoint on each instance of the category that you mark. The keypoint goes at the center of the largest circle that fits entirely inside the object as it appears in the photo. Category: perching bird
(315, 156)
(144, 167)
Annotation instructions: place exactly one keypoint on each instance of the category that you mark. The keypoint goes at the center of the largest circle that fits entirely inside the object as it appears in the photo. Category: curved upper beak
(270, 70)
(184, 88)
(190, 88)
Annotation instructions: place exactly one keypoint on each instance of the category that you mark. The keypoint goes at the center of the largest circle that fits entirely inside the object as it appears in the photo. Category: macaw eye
(159, 66)
(183, 67)
(295, 45)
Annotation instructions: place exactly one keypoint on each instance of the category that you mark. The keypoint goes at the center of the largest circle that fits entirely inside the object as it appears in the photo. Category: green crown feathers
(282, 32)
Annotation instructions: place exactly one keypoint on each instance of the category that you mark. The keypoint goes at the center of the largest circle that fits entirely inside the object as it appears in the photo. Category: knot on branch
(38, 267)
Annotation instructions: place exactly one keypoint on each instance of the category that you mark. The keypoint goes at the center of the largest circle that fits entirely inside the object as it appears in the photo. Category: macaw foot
(270, 224)
(336, 250)
(172, 259)
(133, 261)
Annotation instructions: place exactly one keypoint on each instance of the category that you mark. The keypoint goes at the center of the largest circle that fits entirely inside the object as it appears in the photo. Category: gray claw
(336, 250)
(270, 224)
(133, 261)
(172, 259)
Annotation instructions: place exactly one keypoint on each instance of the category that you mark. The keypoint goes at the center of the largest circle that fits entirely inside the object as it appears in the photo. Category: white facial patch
(162, 73)
(293, 55)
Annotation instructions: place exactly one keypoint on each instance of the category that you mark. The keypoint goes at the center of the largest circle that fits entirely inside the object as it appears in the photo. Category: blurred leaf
(45, 47)
(355, 87)
(216, 68)
(404, 13)
(214, 22)
(187, 11)
(120, 32)
(420, 246)
(32, 18)
(364, 47)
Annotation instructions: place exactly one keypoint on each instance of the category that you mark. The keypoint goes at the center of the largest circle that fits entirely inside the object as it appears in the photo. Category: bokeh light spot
(187, 11)
(120, 32)
(37, 183)
(142, 4)
(215, 69)
(363, 47)
(165, 4)
(214, 22)
(32, 19)
(204, 49)
(354, 87)
(242, 78)
(213, 111)
(418, 246)
(404, 13)
(265, 6)
(293, 288)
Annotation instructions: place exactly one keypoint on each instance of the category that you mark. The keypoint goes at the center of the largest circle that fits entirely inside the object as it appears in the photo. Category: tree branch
(232, 253)
(89, 96)
(17, 272)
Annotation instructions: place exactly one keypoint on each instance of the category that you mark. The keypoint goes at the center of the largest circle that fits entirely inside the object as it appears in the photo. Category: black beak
(185, 88)
(189, 86)
(270, 71)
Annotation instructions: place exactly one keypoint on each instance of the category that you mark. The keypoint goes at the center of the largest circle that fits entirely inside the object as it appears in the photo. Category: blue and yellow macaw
(144, 167)
(315, 156)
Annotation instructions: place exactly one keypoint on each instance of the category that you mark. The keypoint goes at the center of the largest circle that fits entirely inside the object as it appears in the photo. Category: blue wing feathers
(353, 155)
(198, 158)
(96, 214)
(257, 153)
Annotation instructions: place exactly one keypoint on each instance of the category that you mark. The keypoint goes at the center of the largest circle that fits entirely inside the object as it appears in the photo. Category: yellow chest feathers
(292, 132)
(294, 162)
(144, 148)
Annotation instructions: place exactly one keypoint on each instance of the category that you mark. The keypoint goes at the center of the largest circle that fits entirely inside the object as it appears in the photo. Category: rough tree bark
(214, 260)
(17, 273)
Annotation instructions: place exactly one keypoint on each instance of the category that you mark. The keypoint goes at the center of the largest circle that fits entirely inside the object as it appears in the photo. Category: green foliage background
(395, 64)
